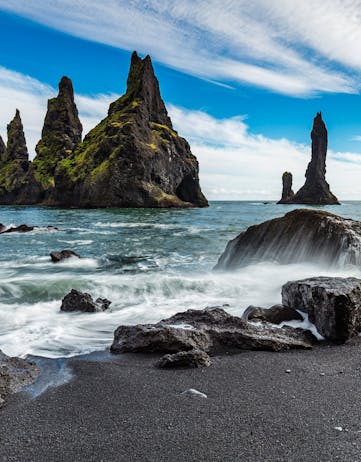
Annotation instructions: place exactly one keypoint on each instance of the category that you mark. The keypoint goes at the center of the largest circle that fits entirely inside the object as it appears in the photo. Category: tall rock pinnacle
(16, 146)
(61, 132)
(143, 86)
(2, 150)
(316, 190)
(287, 192)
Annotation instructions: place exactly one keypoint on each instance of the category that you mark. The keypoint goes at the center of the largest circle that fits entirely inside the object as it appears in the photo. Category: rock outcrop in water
(211, 330)
(316, 190)
(299, 236)
(132, 158)
(287, 192)
(332, 304)
(17, 181)
(57, 257)
(60, 135)
(79, 301)
(15, 373)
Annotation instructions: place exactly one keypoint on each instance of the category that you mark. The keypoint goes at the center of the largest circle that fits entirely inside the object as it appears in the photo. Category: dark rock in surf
(316, 190)
(57, 257)
(191, 358)
(332, 304)
(20, 229)
(79, 301)
(276, 314)
(212, 330)
(287, 192)
(15, 373)
(2, 228)
(299, 236)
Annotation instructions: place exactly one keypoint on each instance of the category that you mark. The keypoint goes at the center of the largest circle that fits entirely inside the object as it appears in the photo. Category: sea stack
(287, 192)
(316, 190)
(16, 147)
(132, 158)
(61, 133)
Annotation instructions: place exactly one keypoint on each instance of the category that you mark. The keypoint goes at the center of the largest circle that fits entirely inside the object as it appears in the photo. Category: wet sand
(261, 406)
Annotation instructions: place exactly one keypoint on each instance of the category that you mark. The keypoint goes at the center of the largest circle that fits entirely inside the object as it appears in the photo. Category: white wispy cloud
(234, 162)
(295, 48)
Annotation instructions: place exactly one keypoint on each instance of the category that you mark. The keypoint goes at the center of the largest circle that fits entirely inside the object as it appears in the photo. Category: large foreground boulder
(79, 301)
(299, 236)
(332, 304)
(211, 330)
(15, 373)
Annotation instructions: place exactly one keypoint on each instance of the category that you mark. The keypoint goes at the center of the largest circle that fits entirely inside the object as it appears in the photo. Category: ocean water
(150, 263)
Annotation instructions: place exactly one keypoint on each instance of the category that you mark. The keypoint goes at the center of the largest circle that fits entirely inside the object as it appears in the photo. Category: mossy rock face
(61, 134)
(134, 157)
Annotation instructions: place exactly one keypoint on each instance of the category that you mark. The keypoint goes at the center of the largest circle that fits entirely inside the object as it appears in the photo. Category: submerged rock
(316, 190)
(287, 192)
(191, 358)
(56, 257)
(15, 373)
(332, 304)
(299, 236)
(79, 301)
(276, 314)
(212, 330)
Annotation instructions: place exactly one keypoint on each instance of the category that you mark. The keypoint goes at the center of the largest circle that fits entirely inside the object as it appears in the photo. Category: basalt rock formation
(79, 301)
(61, 133)
(212, 330)
(332, 304)
(132, 158)
(17, 181)
(316, 190)
(287, 192)
(299, 236)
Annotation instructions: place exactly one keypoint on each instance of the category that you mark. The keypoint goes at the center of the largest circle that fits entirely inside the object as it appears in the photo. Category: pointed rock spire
(287, 192)
(2, 150)
(143, 87)
(61, 132)
(16, 146)
(316, 190)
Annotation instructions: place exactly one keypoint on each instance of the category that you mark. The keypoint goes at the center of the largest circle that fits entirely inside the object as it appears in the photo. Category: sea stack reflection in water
(299, 236)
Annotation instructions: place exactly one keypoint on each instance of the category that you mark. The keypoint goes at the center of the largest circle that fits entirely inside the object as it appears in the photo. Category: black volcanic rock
(16, 146)
(57, 257)
(2, 150)
(79, 301)
(134, 157)
(61, 133)
(287, 192)
(191, 358)
(316, 190)
(15, 373)
(276, 314)
(332, 304)
(299, 236)
(212, 330)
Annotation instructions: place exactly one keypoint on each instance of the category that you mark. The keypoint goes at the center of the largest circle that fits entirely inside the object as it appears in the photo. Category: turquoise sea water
(150, 263)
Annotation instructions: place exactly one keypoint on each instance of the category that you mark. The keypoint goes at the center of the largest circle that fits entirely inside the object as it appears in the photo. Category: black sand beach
(261, 406)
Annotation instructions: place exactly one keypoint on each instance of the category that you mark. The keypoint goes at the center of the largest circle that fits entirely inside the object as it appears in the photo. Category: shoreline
(122, 408)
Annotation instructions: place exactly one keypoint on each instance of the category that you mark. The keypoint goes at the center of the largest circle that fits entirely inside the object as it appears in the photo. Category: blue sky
(242, 82)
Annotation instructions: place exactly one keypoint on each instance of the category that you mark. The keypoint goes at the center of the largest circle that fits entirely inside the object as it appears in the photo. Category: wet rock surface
(15, 373)
(332, 304)
(276, 314)
(79, 301)
(191, 358)
(211, 330)
(25, 229)
(57, 257)
(302, 235)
